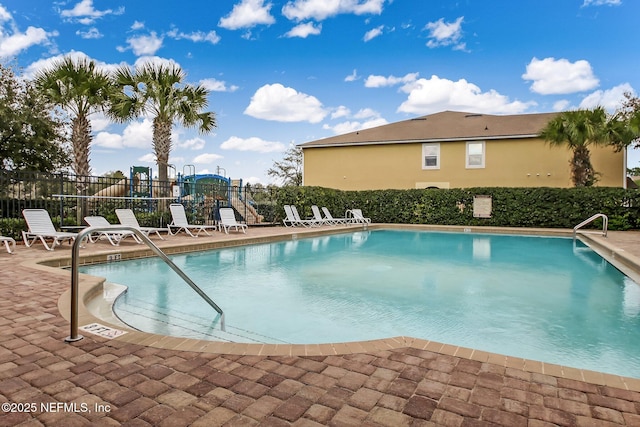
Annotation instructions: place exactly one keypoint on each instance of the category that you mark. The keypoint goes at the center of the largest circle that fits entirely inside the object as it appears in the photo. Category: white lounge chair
(179, 222)
(355, 216)
(7, 241)
(330, 219)
(293, 218)
(289, 221)
(317, 216)
(127, 217)
(114, 236)
(228, 220)
(304, 222)
(41, 228)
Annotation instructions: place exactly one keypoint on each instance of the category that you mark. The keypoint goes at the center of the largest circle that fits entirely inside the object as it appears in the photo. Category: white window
(431, 156)
(475, 155)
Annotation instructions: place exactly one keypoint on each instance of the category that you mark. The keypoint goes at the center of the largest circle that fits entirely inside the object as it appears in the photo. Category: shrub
(511, 207)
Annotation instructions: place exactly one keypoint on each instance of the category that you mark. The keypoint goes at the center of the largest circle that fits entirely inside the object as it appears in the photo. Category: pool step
(153, 320)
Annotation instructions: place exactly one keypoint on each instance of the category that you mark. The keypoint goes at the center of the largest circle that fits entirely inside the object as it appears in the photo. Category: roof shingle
(442, 127)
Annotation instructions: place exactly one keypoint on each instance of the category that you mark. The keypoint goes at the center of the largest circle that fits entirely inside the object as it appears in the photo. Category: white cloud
(99, 122)
(178, 160)
(601, 3)
(196, 36)
(285, 104)
(366, 113)
(215, 85)
(192, 144)
(85, 13)
(319, 10)
(5, 15)
(207, 158)
(445, 34)
(137, 25)
(18, 42)
(148, 158)
(610, 99)
(352, 126)
(138, 134)
(381, 81)
(252, 180)
(47, 63)
(252, 144)
(247, 14)
(372, 34)
(559, 76)
(352, 77)
(341, 111)
(107, 140)
(304, 30)
(13, 41)
(143, 45)
(426, 96)
(155, 60)
(561, 105)
(91, 33)
(366, 118)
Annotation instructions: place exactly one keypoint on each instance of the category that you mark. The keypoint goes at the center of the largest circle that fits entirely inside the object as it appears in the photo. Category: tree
(114, 174)
(80, 88)
(578, 130)
(159, 90)
(628, 116)
(289, 169)
(31, 138)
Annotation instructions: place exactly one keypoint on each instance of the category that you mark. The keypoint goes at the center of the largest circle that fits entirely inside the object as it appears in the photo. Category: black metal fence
(69, 198)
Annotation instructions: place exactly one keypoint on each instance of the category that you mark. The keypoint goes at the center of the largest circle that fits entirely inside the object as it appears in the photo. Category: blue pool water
(539, 298)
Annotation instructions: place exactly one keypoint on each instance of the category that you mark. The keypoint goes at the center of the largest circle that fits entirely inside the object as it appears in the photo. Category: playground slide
(118, 189)
(253, 217)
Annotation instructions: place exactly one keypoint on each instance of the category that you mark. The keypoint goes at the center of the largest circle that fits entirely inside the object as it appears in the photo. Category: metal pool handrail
(74, 336)
(605, 223)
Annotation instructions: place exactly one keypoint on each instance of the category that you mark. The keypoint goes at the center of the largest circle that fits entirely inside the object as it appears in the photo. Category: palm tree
(158, 90)
(79, 87)
(578, 130)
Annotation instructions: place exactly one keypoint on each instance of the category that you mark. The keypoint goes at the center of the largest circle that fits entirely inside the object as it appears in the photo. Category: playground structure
(139, 184)
(208, 191)
(215, 191)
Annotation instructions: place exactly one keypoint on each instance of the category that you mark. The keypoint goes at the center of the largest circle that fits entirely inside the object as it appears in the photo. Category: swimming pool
(538, 298)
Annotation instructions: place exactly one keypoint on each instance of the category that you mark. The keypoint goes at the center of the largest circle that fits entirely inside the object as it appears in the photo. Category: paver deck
(97, 381)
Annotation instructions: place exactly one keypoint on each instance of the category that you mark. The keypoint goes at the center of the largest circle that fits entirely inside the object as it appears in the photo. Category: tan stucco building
(451, 150)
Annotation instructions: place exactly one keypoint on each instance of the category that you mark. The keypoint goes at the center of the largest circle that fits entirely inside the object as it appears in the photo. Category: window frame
(483, 155)
(425, 147)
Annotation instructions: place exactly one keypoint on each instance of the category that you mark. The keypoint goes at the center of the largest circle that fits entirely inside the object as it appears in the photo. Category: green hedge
(511, 207)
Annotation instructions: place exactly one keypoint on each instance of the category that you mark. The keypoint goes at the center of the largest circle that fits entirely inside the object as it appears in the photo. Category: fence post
(61, 192)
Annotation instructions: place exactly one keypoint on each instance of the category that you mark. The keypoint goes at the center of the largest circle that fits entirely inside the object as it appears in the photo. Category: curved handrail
(605, 223)
(74, 336)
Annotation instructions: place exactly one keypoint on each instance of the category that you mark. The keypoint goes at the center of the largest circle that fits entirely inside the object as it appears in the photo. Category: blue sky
(288, 72)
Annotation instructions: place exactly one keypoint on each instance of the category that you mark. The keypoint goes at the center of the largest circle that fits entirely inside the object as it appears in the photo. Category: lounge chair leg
(44, 242)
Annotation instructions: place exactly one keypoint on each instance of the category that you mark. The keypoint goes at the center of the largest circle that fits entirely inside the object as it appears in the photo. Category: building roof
(442, 127)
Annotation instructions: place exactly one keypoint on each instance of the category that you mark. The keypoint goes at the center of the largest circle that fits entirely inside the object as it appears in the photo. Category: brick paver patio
(95, 381)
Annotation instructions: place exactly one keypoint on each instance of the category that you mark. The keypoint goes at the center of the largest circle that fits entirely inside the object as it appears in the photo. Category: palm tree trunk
(162, 147)
(582, 172)
(81, 141)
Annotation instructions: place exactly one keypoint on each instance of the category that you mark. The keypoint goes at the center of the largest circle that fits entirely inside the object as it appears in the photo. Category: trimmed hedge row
(511, 207)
